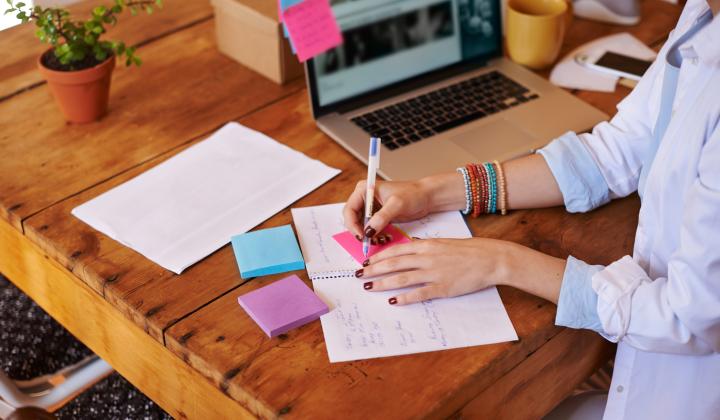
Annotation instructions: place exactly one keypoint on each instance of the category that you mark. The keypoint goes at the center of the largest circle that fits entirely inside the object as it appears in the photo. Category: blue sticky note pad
(267, 251)
(284, 4)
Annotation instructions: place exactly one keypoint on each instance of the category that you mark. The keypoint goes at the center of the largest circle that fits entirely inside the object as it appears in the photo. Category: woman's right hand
(403, 201)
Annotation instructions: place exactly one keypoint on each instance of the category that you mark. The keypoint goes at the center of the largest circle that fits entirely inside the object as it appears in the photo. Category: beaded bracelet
(485, 189)
(477, 188)
(501, 187)
(474, 189)
(468, 197)
(483, 185)
(492, 206)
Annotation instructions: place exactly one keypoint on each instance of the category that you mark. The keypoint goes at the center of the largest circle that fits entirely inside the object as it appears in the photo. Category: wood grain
(21, 49)
(252, 375)
(170, 382)
(533, 387)
(175, 100)
(185, 89)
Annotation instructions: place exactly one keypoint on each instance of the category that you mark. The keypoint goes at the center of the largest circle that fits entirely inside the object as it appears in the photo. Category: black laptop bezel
(402, 86)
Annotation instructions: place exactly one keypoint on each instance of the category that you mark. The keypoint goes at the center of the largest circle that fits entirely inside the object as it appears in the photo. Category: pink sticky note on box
(354, 247)
(312, 28)
(283, 305)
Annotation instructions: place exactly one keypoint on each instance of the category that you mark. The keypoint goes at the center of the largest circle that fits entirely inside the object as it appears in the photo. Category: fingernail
(369, 232)
(358, 237)
(373, 241)
(392, 300)
(368, 285)
(383, 240)
(366, 263)
(359, 273)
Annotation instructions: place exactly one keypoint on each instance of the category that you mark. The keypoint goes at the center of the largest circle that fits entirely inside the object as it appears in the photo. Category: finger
(393, 265)
(384, 216)
(408, 248)
(419, 294)
(353, 210)
(397, 281)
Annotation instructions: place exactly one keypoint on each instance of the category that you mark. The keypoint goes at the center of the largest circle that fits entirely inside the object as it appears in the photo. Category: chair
(33, 349)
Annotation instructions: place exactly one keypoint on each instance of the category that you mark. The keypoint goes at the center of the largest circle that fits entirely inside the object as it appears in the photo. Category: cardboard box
(249, 32)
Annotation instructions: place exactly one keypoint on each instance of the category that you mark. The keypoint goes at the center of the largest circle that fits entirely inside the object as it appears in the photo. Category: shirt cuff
(582, 184)
(577, 304)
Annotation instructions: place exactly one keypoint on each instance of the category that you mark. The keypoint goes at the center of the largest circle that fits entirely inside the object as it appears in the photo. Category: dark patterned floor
(34, 344)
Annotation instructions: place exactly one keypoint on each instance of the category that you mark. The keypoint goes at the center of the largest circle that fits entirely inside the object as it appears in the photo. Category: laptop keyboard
(412, 120)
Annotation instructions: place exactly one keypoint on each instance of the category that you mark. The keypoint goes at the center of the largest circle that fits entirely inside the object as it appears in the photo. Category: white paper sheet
(190, 205)
(571, 75)
(362, 325)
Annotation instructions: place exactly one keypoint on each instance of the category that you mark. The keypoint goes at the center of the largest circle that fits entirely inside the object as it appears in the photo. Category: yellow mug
(535, 31)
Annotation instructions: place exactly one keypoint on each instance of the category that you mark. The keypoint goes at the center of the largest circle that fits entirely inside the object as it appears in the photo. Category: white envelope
(190, 205)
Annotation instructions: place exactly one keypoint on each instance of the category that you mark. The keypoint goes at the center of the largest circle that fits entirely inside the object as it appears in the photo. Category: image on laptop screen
(390, 41)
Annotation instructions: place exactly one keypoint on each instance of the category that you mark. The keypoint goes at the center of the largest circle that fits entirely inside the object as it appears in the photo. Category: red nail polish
(366, 263)
(359, 273)
(368, 285)
(358, 237)
(369, 232)
(392, 300)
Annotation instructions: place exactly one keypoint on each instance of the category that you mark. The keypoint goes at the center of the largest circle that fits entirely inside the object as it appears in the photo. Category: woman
(662, 305)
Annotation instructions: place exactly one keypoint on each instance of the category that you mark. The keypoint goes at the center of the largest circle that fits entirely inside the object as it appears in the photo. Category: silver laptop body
(434, 116)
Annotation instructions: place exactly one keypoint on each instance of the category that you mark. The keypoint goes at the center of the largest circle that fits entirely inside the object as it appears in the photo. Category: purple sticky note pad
(283, 305)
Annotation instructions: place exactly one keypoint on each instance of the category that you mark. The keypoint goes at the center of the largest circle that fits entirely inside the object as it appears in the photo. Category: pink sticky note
(312, 28)
(354, 247)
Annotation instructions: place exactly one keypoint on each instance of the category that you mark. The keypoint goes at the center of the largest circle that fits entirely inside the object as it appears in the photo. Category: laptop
(428, 78)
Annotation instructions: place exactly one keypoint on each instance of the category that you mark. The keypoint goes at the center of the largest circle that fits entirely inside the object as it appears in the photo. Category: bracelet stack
(485, 190)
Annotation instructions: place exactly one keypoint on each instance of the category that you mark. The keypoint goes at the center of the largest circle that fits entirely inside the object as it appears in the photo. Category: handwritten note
(361, 324)
(312, 27)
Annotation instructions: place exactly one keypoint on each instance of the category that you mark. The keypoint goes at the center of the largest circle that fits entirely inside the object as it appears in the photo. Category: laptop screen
(387, 42)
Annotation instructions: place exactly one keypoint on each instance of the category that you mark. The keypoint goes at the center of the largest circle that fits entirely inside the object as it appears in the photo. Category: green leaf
(99, 11)
(101, 55)
(97, 29)
(149, 10)
(8, 11)
(19, 5)
(137, 61)
(159, 3)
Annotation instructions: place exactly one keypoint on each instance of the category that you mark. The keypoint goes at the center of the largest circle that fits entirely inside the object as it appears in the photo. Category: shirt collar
(705, 44)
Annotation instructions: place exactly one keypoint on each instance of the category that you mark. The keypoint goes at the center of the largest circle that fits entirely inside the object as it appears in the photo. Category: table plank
(185, 89)
(223, 343)
(21, 49)
(165, 378)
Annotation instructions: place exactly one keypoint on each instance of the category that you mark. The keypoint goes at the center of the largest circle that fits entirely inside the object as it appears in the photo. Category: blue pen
(373, 164)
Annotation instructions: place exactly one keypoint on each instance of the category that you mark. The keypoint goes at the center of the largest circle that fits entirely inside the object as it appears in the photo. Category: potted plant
(79, 64)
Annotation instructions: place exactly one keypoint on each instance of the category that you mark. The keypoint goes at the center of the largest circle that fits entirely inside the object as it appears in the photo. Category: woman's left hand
(453, 267)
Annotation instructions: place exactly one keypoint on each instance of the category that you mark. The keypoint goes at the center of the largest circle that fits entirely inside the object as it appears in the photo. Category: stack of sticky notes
(267, 251)
(310, 25)
(283, 305)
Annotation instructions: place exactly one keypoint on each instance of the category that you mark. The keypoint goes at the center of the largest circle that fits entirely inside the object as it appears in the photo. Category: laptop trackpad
(499, 139)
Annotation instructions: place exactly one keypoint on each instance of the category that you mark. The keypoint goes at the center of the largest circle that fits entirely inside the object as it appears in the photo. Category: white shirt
(662, 305)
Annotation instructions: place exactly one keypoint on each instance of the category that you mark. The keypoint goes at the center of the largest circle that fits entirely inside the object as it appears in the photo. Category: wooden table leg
(143, 361)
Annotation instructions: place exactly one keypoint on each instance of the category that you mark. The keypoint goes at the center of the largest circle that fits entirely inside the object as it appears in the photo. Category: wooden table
(182, 339)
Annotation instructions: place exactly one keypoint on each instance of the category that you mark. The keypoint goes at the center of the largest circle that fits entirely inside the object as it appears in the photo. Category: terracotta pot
(82, 95)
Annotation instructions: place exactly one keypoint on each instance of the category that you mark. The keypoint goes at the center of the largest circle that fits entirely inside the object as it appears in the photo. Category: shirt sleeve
(581, 183)
(577, 304)
(679, 313)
